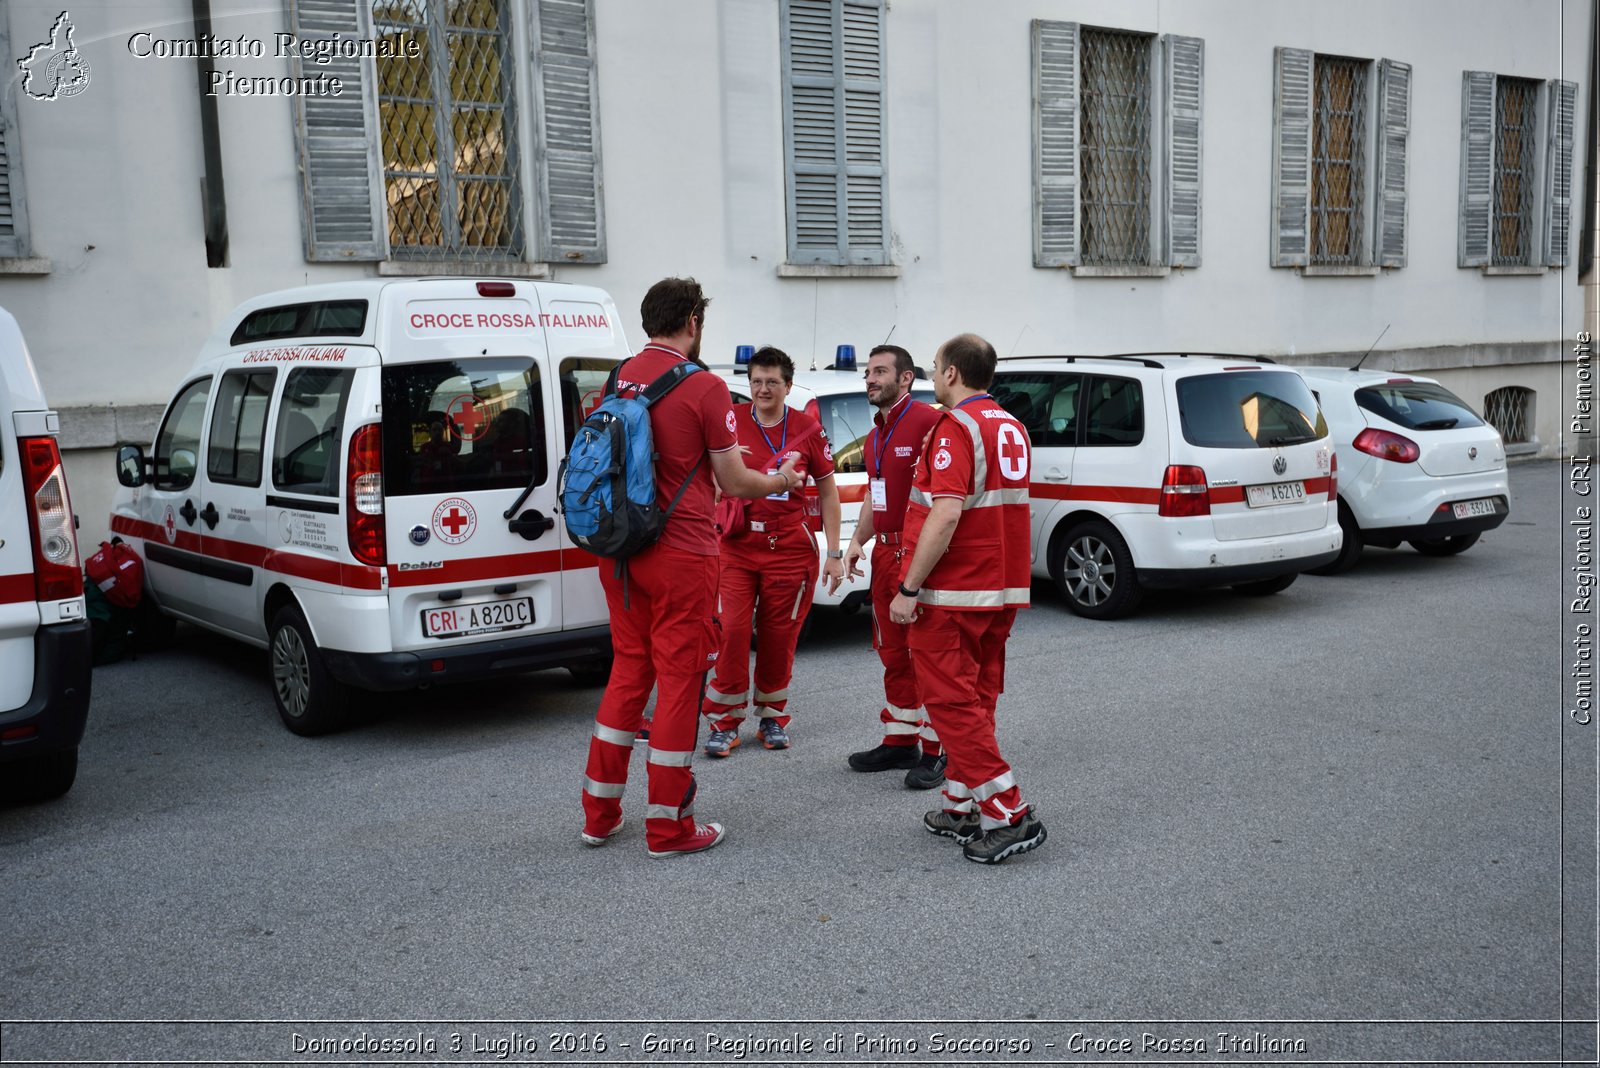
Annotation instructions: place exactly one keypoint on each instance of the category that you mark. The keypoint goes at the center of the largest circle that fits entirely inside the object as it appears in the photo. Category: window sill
(25, 265)
(829, 270)
(1129, 271)
(465, 268)
(1506, 271)
(1330, 270)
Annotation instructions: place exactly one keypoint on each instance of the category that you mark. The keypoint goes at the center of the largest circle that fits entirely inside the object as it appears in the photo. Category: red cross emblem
(454, 521)
(1013, 453)
(171, 524)
(466, 411)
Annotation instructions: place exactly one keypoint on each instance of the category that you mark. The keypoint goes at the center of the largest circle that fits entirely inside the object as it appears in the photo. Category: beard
(694, 352)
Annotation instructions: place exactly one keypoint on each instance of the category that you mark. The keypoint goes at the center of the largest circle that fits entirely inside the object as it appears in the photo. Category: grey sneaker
(963, 828)
(927, 774)
(992, 847)
(772, 735)
(721, 743)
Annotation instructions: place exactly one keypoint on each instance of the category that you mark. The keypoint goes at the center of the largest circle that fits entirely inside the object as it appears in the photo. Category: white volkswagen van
(44, 635)
(361, 478)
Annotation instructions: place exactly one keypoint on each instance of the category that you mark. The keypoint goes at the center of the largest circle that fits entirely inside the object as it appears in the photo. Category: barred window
(1338, 160)
(1509, 410)
(445, 112)
(1116, 147)
(1515, 135)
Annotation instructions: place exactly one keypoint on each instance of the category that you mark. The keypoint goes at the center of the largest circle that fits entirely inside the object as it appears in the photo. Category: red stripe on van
(1054, 491)
(278, 561)
(851, 494)
(480, 569)
(15, 588)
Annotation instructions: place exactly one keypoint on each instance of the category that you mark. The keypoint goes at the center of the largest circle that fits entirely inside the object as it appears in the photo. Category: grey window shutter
(1394, 116)
(866, 194)
(1184, 82)
(566, 95)
(14, 242)
(1056, 52)
(1558, 166)
(341, 176)
(811, 132)
(1291, 157)
(1477, 168)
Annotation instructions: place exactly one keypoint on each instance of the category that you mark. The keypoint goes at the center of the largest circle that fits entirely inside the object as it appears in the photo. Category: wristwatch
(908, 593)
(835, 554)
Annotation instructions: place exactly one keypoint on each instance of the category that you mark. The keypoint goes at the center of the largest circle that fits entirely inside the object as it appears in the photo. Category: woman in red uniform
(769, 568)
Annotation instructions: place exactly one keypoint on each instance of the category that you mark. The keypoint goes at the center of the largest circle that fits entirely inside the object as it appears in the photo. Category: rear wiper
(1437, 424)
(1286, 440)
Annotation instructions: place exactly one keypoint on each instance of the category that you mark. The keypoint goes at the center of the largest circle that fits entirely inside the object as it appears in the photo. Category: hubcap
(1091, 571)
(291, 671)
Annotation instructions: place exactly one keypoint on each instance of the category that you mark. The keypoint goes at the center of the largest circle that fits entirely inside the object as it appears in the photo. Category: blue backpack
(607, 483)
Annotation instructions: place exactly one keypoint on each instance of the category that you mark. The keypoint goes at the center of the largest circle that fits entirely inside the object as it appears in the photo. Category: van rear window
(1418, 406)
(1248, 410)
(454, 426)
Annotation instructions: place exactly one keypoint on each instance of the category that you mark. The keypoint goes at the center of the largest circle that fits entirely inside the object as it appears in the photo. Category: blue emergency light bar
(844, 358)
(741, 358)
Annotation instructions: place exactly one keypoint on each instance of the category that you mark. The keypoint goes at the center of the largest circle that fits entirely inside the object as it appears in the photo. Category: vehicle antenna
(815, 297)
(1017, 342)
(1370, 347)
(889, 335)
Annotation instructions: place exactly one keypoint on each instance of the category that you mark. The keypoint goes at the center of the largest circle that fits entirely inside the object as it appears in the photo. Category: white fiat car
(1416, 464)
(1157, 470)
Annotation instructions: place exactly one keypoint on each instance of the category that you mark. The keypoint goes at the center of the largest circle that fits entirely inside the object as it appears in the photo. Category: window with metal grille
(1115, 147)
(448, 130)
(1515, 135)
(1338, 160)
(1509, 410)
(14, 242)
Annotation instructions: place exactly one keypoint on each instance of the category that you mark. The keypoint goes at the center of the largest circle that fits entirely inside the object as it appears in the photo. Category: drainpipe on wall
(213, 199)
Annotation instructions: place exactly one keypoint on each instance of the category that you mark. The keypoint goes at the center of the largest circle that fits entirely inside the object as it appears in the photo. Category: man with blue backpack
(658, 415)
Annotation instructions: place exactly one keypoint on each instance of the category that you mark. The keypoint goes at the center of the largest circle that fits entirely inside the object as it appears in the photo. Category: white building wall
(692, 144)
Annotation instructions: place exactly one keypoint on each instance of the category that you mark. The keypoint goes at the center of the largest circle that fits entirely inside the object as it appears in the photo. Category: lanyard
(882, 441)
(784, 441)
(975, 397)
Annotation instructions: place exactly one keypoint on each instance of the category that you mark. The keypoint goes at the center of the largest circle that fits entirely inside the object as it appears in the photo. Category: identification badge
(777, 496)
(880, 495)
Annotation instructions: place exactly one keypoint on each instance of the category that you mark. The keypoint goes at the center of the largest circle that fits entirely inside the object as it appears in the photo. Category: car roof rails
(1212, 355)
(1127, 357)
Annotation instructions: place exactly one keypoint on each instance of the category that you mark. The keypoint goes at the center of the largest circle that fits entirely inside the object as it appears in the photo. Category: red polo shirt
(798, 432)
(892, 448)
(695, 419)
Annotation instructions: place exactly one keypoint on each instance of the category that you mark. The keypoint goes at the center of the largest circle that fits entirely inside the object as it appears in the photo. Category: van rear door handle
(531, 524)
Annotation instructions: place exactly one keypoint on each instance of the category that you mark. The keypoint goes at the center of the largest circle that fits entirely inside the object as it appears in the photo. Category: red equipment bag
(119, 573)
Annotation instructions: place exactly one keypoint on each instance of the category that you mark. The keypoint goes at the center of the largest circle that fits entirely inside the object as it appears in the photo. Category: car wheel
(1094, 571)
(1349, 552)
(44, 777)
(1267, 587)
(310, 700)
(1447, 546)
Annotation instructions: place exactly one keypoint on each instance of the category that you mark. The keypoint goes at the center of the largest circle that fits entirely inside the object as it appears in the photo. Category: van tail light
(56, 572)
(364, 496)
(1184, 491)
(1386, 445)
(812, 410)
(1333, 478)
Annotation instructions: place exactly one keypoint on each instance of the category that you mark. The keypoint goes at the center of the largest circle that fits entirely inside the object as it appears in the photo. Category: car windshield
(1418, 405)
(1249, 410)
(847, 419)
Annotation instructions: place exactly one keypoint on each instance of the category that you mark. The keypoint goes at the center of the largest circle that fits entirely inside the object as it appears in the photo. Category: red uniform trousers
(960, 660)
(665, 638)
(772, 581)
(902, 715)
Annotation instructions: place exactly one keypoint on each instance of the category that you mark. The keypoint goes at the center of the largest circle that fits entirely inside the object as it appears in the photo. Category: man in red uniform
(770, 567)
(664, 633)
(891, 448)
(965, 576)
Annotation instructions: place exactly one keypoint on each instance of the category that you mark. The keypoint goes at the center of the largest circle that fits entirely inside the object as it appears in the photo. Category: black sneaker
(928, 773)
(992, 847)
(963, 828)
(886, 758)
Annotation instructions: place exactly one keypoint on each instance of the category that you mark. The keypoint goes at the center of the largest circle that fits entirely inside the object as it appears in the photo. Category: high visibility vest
(988, 563)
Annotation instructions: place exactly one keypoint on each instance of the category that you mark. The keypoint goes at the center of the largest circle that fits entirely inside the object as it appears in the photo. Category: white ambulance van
(44, 635)
(360, 478)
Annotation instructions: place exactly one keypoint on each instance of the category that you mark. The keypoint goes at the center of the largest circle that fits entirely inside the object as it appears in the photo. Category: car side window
(1114, 413)
(305, 443)
(177, 451)
(239, 427)
(1045, 404)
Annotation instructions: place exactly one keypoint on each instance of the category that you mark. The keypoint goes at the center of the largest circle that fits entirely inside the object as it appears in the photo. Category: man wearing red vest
(663, 632)
(890, 455)
(965, 575)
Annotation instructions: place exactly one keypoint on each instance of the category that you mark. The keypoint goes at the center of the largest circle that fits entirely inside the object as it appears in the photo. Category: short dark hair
(973, 358)
(767, 356)
(903, 363)
(670, 304)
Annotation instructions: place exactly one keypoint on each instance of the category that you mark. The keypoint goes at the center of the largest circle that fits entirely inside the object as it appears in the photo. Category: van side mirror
(130, 465)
